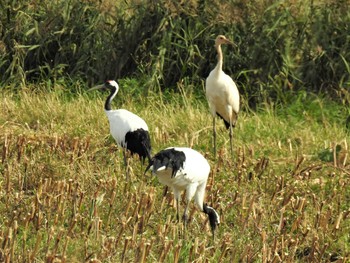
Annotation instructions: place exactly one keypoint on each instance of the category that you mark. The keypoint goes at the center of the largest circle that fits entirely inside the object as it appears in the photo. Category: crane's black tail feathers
(227, 124)
(139, 142)
(169, 158)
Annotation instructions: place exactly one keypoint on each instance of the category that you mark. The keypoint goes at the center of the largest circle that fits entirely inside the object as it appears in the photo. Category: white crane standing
(182, 169)
(128, 130)
(222, 93)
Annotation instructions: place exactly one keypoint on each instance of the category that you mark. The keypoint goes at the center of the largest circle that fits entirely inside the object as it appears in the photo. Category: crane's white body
(192, 177)
(222, 95)
(128, 130)
(182, 168)
(123, 121)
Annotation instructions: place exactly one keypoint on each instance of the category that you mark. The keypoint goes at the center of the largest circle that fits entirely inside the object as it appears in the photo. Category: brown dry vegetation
(64, 197)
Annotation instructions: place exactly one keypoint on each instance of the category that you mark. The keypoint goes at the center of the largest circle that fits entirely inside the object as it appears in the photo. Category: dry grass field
(284, 197)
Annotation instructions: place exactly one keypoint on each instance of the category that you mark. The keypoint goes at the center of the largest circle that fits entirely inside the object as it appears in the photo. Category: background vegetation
(285, 195)
(282, 46)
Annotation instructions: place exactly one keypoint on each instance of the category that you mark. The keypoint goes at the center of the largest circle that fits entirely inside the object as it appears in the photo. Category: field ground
(283, 197)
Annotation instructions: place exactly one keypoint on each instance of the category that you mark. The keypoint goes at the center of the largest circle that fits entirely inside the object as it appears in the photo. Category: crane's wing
(167, 159)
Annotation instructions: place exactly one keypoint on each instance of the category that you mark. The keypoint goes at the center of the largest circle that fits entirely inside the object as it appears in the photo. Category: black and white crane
(128, 130)
(182, 169)
(222, 93)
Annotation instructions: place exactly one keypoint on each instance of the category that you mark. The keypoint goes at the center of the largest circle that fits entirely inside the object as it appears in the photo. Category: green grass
(283, 197)
(280, 45)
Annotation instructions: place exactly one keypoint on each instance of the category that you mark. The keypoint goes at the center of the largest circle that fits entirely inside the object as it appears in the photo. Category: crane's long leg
(126, 165)
(177, 210)
(214, 137)
(185, 218)
(231, 138)
(165, 190)
(124, 157)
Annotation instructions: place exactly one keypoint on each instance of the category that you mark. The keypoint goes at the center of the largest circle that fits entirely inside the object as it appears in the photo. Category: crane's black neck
(111, 96)
(214, 219)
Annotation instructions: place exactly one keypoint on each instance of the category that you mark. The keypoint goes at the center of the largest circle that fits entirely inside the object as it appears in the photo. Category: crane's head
(221, 39)
(213, 216)
(111, 85)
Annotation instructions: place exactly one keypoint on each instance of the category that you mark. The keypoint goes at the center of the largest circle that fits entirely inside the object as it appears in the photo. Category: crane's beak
(149, 166)
(97, 87)
(227, 41)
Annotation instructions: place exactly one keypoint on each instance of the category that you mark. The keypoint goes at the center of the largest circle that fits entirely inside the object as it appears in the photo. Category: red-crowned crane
(128, 130)
(182, 169)
(222, 93)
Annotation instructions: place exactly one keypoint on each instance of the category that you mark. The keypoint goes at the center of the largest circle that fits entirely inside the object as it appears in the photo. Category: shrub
(281, 46)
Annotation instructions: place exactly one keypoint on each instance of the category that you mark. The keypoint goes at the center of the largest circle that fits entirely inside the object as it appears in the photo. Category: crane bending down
(128, 130)
(222, 93)
(182, 169)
